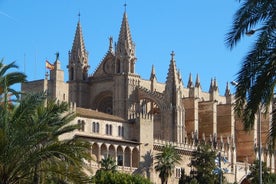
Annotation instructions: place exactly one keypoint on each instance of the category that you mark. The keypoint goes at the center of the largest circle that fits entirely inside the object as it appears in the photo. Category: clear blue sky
(33, 31)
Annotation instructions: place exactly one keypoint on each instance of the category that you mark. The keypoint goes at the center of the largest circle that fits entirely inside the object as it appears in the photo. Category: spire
(179, 76)
(215, 84)
(172, 82)
(197, 83)
(125, 49)
(78, 47)
(78, 57)
(227, 90)
(152, 75)
(190, 82)
(110, 44)
(211, 85)
(125, 46)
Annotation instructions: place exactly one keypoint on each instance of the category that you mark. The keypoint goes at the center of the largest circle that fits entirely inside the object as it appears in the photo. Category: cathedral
(130, 118)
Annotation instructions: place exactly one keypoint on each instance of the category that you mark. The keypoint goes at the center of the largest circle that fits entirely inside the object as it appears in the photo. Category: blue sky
(34, 30)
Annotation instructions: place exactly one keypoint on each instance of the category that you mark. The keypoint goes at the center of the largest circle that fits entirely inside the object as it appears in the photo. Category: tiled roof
(89, 113)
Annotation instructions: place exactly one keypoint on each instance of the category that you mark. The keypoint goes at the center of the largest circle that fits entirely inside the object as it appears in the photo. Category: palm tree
(7, 80)
(31, 151)
(203, 161)
(166, 161)
(30, 146)
(256, 78)
(108, 164)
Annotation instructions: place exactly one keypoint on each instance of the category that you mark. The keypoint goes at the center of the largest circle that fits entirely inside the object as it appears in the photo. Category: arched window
(83, 125)
(119, 130)
(79, 123)
(97, 127)
(93, 127)
(106, 129)
(110, 129)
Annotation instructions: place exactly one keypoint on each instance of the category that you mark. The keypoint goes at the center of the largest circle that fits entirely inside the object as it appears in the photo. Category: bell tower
(78, 69)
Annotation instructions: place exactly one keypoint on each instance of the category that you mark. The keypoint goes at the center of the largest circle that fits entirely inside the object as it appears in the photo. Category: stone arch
(127, 157)
(111, 151)
(135, 158)
(104, 102)
(151, 105)
(103, 151)
(95, 151)
(120, 156)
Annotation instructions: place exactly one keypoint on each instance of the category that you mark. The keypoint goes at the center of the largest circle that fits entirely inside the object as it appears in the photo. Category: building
(130, 118)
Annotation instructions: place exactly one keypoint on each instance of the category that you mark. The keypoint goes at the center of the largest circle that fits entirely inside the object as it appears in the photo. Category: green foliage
(107, 177)
(108, 164)
(30, 145)
(203, 164)
(256, 78)
(166, 161)
(8, 79)
(266, 176)
(31, 151)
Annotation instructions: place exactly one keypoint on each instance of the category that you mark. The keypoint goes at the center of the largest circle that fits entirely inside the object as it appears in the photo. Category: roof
(89, 113)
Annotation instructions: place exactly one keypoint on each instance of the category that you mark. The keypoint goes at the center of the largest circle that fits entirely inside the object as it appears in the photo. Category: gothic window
(95, 127)
(108, 129)
(121, 131)
(81, 124)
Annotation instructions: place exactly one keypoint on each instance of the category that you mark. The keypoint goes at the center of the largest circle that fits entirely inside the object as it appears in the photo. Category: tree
(31, 151)
(166, 161)
(108, 164)
(8, 80)
(203, 164)
(106, 177)
(256, 78)
(266, 176)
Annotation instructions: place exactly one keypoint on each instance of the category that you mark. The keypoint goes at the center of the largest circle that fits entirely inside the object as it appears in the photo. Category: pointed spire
(110, 44)
(78, 57)
(215, 84)
(227, 90)
(152, 75)
(190, 81)
(172, 76)
(78, 48)
(125, 44)
(197, 83)
(211, 85)
(172, 73)
(179, 76)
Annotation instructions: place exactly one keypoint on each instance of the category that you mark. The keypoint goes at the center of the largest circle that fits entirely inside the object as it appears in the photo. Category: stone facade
(131, 118)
